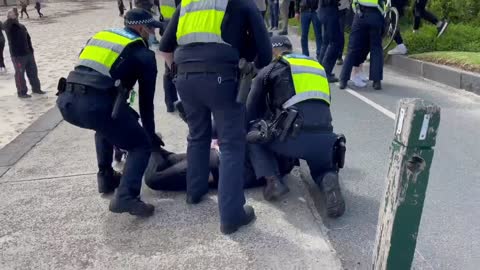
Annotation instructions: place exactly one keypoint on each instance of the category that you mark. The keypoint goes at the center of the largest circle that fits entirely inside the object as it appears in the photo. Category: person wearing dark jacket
(21, 51)
(38, 6)
(23, 5)
(306, 12)
(2, 46)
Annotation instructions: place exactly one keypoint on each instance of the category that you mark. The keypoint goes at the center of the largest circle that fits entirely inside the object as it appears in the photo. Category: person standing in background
(284, 10)
(3, 69)
(21, 51)
(262, 7)
(38, 6)
(121, 7)
(305, 11)
(343, 8)
(331, 45)
(23, 6)
(274, 13)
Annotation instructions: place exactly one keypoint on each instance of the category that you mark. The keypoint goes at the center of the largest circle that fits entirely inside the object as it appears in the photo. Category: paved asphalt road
(449, 236)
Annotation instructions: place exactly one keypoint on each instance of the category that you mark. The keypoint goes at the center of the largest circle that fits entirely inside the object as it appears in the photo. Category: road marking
(378, 107)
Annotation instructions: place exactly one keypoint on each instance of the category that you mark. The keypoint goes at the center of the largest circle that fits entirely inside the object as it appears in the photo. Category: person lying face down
(168, 171)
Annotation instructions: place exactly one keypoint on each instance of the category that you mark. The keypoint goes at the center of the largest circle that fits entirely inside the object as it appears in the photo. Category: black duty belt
(205, 68)
(316, 128)
(85, 90)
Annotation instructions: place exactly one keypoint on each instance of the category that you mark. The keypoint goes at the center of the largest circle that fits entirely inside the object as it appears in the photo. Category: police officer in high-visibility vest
(94, 96)
(289, 112)
(367, 29)
(209, 38)
(167, 8)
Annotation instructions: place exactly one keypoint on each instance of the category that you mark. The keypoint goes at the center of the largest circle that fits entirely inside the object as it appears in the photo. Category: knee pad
(339, 151)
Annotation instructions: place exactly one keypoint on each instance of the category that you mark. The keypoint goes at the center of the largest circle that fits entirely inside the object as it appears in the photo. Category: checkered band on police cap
(281, 42)
(138, 16)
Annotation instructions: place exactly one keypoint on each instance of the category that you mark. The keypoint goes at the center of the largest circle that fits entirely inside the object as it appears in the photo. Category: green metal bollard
(407, 179)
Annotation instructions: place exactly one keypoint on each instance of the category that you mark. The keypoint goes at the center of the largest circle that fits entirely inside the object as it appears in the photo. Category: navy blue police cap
(281, 42)
(139, 16)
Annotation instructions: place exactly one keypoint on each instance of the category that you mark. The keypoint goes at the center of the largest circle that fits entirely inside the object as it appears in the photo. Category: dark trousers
(26, 64)
(2, 46)
(316, 148)
(366, 33)
(170, 172)
(332, 40)
(274, 12)
(24, 10)
(169, 88)
(202, 95)
(93, 111)
(420, 13)
(342, 18)
(307, 18)
(38, 11)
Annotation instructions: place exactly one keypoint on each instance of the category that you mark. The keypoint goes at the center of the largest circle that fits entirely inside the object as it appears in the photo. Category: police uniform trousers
(315, 147)
(203, 95)
(332, 37)
(92, 110)
(170, 90)
(367, 30)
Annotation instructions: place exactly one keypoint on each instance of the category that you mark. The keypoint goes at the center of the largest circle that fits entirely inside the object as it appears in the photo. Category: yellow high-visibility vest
(201, 21)
(309, 79)
(167, 8)
(369, 3)
(104, 48)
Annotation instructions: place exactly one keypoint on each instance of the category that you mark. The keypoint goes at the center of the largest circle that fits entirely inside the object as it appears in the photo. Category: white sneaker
(358, 82)
(401, 49)
(363, 76)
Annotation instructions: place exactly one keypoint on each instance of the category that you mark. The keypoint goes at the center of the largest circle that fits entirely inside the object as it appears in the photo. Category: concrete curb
(23, 143)
(453, 77)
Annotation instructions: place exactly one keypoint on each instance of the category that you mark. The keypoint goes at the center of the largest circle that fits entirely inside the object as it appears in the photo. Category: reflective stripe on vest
(309, 80)
(167, 8)
(104, 48)
(201, 21)
(370, 3)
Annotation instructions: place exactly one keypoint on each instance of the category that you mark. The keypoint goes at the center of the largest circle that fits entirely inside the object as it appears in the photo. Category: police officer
(367, 28)
(167, 8)
(111, 61)
(296, 92)
(211, 37)
(332, 39)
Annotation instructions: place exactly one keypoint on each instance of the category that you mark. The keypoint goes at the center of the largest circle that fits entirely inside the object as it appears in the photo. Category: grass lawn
(463, 60)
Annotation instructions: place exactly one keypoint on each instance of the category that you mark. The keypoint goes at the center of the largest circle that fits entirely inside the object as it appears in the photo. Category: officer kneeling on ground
(94, 97)
(289, 109)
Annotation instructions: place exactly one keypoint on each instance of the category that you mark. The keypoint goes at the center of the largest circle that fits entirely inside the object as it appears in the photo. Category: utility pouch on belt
(287, 124)
(247, 73)
(62, 85)
(339, 150)
(121, 98)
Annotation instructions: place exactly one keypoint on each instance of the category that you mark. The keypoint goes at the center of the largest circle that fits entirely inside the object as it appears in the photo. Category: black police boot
(274, 189)
(339, 61)
(334, 200)
(332, 79)
(283, 33)
(108, 180)
(343, 84)
(377, 85)
(194, 199)
(231, 228)
(39, 92)
(133, 206)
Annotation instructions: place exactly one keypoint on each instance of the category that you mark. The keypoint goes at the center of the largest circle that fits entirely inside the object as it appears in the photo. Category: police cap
(281, 42)
(139, 16)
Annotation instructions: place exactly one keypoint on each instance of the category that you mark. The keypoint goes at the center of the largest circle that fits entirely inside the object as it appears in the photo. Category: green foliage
(458, 37)
(464, 11)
